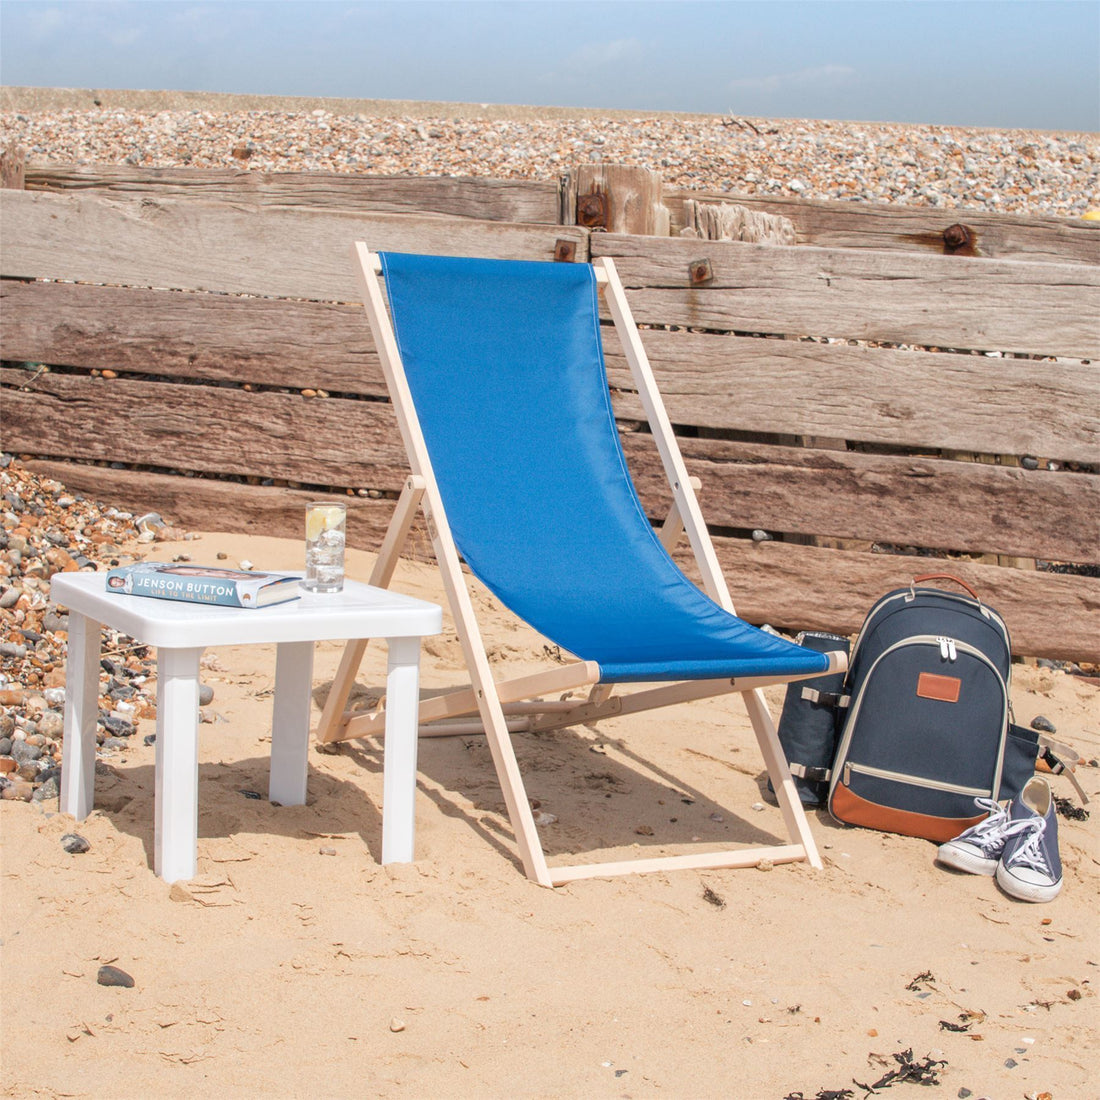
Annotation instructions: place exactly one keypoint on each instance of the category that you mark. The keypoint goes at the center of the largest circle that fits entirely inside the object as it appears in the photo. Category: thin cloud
(607, 53)
(821, 76)
(43, 22)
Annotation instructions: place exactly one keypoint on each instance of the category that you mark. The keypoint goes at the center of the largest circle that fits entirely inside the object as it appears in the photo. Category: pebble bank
(1012, 171)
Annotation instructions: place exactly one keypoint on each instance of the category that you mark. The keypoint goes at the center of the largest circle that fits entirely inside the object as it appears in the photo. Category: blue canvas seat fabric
(505, 364)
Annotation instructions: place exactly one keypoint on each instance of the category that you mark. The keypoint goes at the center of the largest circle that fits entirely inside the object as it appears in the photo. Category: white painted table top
(359, 611)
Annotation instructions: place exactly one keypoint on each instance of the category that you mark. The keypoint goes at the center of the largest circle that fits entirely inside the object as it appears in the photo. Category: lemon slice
(322, 519)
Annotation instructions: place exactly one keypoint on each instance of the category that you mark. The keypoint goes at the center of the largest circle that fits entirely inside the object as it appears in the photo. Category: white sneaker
(978, 849)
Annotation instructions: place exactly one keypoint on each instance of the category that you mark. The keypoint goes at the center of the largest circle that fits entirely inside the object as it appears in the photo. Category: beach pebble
(23, 753)
(206, 694)
(17, 790)
(51, 724)
(50, 789)
(113, 975)
(74, 844)
(1042, 724)
(397, 1024)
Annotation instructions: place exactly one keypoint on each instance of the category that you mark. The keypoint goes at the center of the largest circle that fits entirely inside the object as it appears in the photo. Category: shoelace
(1030, 854)
(991, 833)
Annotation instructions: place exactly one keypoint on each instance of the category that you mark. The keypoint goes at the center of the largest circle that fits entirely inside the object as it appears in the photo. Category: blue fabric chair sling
(497, 372)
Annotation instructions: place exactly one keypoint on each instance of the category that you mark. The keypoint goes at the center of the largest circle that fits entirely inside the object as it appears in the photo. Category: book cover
(202, 584)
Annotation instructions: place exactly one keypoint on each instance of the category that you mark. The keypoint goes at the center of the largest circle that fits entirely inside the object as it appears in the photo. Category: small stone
(206, 694)
(75, 844)
(543, 818)
(51, 725)
(17, 790)
(1029, 462)
(328, 851)
(759, 806)
(24, 753)
(760, 536)
(150, 739)
(396, 1024)
(1042, 724)
(119, 727)
(5, 746)
(113, 975)
(50, 789)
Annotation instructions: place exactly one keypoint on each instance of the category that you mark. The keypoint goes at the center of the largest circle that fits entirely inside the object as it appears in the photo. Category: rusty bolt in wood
(565, 252)
(593, 210)
(700, 271)
(957, 236)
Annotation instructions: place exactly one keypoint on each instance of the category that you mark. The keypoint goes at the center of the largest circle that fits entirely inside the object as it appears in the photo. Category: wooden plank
(794, 587)
(268, 251)
(940, 301)
(346, 443)
(13, 167)
(875, 395)
(620, 198)
(334, 442)
(529, 201)
(829, 223)
(906, 501)
(806, 587)
(207, 504)
(217, 337)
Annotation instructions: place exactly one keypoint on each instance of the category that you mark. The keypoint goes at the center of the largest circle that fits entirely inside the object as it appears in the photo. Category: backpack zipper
(912, 781)
(950, 648)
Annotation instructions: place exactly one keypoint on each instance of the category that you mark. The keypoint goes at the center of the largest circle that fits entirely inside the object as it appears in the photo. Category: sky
(1031, 64)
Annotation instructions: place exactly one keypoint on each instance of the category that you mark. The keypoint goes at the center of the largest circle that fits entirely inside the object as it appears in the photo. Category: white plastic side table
(181, 631)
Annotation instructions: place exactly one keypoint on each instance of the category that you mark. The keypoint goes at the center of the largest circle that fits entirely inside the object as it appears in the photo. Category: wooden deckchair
(496, 373)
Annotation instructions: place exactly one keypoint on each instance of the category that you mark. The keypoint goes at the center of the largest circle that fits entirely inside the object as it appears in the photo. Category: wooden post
(621, 199)
(13, 166)
(727, 221)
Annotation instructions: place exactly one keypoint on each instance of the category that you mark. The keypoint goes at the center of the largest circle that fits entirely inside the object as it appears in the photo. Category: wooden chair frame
(505, 707)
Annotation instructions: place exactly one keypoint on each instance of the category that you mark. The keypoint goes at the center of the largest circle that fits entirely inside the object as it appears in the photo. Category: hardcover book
(202, 584)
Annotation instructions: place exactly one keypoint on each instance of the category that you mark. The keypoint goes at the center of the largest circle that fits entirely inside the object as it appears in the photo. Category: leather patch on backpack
(933, 686)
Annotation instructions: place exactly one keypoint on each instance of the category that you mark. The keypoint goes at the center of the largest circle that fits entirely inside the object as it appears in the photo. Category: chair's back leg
(794, 816)
(328, 728)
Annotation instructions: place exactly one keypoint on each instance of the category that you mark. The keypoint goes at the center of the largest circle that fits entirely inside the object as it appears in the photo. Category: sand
(296, 966)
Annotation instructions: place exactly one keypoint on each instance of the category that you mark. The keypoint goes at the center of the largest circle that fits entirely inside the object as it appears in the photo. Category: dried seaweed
(918, 1073)
(1066, 808)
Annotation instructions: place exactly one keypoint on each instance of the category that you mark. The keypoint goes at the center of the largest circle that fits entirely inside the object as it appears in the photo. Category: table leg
(399, 767)
(81, 715)
(177, 777)
(290, 724)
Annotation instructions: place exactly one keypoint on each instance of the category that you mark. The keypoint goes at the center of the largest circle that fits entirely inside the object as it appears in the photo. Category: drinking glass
(326, 524)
